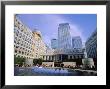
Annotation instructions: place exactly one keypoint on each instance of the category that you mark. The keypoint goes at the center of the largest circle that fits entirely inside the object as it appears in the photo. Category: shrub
(19, 60)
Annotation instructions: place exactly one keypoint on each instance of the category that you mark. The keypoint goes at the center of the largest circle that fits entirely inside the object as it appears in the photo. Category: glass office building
(64, 37)
(54, 43)
(77, 42)
(91, 46)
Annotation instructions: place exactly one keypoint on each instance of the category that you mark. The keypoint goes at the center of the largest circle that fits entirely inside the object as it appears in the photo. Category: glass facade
(64, 37)
(77, 42)
(91, 46)
(54, 43)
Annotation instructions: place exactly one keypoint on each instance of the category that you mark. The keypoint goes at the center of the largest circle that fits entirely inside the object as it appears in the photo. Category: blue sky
(81, 24)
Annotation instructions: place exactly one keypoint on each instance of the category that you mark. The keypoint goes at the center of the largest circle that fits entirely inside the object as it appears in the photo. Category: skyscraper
(64, 37)
(54, 43)
(77, 42)
(91, 45)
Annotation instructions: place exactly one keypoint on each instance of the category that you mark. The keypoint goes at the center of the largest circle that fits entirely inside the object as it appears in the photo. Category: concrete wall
(69, 63)
(88, 61)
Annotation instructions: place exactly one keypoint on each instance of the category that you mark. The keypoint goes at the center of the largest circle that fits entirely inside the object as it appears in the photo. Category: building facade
(77, 42)
(64, 37)
(68, 48)
(30, 45)
(23, 40)
(27, 44)
(91, 46)
(54, 43)
(40, 47)
(64, 54)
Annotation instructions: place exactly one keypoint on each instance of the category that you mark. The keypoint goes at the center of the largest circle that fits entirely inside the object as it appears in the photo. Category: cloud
(53, 21)
(47, 40)
(76, 31)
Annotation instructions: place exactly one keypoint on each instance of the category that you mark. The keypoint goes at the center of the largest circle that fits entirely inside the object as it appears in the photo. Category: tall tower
(77, 42)
(54, 43)
(64, 37)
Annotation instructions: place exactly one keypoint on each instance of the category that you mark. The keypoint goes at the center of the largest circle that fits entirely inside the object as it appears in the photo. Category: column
(61, 57)
(47, 57)
(50, 57)
(68, 56)
(72, 57)
(76, 56)
(44, 57)
(57, 57)
(54, 57)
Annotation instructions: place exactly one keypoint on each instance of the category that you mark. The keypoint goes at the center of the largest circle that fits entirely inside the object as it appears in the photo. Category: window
(17, 46)
(70, 57)
(22, 52)
(15, 51)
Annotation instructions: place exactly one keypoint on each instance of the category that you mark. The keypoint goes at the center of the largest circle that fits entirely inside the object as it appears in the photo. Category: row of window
(22, 48)
(21, 56)
(70, 57)
(23, 53)
(92, 51)
(27, 39)
(22, 27)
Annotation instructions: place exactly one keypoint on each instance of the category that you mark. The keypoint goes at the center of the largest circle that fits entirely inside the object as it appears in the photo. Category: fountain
(87, 62)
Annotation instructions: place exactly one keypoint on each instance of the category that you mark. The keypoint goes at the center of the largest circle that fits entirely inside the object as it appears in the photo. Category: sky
(80, 24)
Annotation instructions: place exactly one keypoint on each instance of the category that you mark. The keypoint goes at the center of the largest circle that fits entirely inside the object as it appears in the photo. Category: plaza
(66, 51)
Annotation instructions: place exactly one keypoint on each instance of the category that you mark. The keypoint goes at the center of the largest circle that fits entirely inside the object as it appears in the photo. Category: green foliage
(19, 60)
(38, 61)
(86, 62)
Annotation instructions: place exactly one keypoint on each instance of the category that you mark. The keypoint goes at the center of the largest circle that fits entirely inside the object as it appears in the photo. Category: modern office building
(65, 45)
(64, 37)
(91, 46)
(27, 44)
(30, 45)
(64, 54)
(77, 42)
(54, 43)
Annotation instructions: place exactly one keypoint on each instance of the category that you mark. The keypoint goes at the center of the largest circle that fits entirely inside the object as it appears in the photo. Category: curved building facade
(91, 46)
(27, 44)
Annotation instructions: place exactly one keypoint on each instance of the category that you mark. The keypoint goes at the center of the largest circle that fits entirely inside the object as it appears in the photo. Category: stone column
(68, 56)
(72, 57)
(76, 56)
(47, 57)
(51, 57)
(57, 57)
(61, 57)
(44, 57)
(54, 57)
(53, 64)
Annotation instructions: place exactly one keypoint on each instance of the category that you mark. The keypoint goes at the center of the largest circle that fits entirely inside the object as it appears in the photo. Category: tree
(19, 60)
(37, 61)
(78, 61)
(86, 63)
